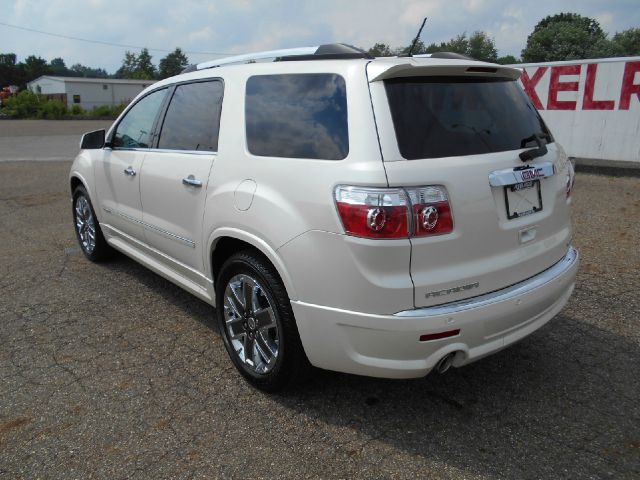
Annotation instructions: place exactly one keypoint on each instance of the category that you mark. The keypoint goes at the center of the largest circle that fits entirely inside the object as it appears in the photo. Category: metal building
(88, 92)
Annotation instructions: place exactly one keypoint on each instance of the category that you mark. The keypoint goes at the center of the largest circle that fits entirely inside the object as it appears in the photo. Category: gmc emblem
(532, 174)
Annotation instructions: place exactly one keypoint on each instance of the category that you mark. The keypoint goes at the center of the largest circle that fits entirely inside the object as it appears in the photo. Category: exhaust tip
(445, 363)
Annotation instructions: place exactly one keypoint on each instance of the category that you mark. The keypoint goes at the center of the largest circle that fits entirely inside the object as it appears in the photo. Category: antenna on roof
(415, 40)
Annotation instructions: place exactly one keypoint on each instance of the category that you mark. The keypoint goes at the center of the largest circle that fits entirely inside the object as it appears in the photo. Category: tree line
(136, 66)
(564, 36)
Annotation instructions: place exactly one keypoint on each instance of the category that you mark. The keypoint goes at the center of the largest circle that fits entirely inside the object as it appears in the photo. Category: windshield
(454, 116)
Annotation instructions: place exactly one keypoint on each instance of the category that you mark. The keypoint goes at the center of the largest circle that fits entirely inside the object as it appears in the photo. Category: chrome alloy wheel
(85, 224)
(251, 323)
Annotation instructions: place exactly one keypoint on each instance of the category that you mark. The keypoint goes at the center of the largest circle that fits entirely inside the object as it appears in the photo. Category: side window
(297, 116)
(192, 121)
(135, 129)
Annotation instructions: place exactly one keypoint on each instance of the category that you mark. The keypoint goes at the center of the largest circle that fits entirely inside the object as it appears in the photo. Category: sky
(209, 29)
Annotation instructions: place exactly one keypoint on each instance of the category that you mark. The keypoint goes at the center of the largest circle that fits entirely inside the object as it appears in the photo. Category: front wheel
(257, 324)
(88, 232)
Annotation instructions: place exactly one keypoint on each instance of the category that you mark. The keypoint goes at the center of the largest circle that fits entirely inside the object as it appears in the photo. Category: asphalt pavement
(109, 371)
(44, 140)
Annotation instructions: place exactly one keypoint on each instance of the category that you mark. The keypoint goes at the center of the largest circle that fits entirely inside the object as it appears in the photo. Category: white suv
(381, 217)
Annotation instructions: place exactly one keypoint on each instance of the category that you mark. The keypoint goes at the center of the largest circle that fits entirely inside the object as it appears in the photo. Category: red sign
(566, 78)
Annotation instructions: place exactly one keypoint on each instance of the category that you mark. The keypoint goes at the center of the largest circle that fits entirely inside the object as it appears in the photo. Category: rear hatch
(462, 126)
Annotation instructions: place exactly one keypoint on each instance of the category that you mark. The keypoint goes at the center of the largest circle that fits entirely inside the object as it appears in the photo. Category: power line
(120, 45)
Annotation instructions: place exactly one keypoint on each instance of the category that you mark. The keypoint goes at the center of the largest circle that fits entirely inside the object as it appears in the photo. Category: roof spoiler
(420, 67)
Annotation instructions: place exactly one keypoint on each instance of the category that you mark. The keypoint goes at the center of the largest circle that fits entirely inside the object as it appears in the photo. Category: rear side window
(453, 116)
(192, 121)
(297, 116)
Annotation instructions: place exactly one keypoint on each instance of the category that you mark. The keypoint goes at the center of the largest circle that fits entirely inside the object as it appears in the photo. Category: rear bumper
(389, 345)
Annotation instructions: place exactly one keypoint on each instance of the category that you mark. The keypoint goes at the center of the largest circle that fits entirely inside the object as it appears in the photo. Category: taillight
(431, 211)
(373, 212)
(570, 179)
(394, 212)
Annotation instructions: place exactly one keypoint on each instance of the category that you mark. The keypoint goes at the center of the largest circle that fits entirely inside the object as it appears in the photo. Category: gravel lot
(109, 371)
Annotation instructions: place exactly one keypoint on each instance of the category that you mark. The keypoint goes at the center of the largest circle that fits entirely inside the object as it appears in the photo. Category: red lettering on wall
(628, 87)
(529, 85)
(588, 103)
(555, 86)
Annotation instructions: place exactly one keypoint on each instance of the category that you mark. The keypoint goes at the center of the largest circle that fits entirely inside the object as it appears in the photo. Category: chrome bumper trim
(503, 295)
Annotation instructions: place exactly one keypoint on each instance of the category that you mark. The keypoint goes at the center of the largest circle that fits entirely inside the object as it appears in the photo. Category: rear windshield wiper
(532, 153)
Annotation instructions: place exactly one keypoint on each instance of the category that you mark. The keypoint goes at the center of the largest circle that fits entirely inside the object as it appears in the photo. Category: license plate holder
(522, 199)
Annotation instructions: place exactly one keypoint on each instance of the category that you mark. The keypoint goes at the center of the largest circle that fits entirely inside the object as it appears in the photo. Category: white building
(88, 92)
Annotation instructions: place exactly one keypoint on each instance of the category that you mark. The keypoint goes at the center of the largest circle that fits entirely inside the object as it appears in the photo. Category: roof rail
(332, 51)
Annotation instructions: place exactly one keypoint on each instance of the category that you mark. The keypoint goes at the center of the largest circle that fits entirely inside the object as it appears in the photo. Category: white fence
(591, 106)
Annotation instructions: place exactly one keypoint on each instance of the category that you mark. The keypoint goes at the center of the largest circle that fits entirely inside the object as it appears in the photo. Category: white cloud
(243, 25)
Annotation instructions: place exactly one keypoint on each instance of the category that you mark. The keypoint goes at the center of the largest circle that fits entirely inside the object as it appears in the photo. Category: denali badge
(447, 291)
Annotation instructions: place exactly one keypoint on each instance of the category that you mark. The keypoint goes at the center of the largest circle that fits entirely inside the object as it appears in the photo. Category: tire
(262, 341)
(87, 227)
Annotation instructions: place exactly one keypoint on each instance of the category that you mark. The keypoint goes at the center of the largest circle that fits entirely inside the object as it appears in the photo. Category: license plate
(522, 199)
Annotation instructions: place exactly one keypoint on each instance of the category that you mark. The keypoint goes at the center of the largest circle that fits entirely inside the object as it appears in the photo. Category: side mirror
(93, 140)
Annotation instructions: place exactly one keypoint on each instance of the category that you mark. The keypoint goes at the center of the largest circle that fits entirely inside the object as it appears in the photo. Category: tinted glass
(135, 129)
(297, 116)
(453, 116)
(193, 117)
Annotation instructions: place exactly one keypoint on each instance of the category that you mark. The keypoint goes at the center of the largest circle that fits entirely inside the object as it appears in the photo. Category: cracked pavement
(110, 371)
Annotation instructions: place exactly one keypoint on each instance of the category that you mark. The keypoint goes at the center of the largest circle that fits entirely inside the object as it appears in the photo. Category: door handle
(130, 171)
(191, 181)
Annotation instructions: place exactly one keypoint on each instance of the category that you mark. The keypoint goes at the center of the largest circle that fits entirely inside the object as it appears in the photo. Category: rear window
(297, 116)
(453, 116)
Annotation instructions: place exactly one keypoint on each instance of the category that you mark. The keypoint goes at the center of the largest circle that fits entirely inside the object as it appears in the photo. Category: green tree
(419, 49)
(381, 50)
(11, 72)
(58, 67)
(482, 47)
(172, 64)
(507, 60)
(627, 42)
(35, 67)
(79, 70)
(565, 36)
(479, 46)
(129, 65)
(145, 69)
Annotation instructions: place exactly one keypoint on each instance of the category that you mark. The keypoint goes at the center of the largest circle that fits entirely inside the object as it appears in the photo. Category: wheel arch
(224, 242)
(75, 182)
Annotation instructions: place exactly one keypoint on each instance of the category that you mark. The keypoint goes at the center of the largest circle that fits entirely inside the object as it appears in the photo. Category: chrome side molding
(186, 241)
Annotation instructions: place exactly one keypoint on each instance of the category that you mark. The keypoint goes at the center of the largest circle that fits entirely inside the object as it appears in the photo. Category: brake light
(394, 212)
(431, 211)
(373, 212)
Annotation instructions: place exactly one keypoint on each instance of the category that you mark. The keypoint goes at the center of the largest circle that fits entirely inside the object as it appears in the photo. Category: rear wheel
(257, 324)
(87, 228)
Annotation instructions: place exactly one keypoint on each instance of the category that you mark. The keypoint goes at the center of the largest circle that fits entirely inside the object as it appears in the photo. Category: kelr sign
(568, 78)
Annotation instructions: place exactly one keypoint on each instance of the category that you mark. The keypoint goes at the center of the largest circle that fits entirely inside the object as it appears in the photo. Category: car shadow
(561, 403)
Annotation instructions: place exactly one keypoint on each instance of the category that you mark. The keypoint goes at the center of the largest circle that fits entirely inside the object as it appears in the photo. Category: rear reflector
(439, 335)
